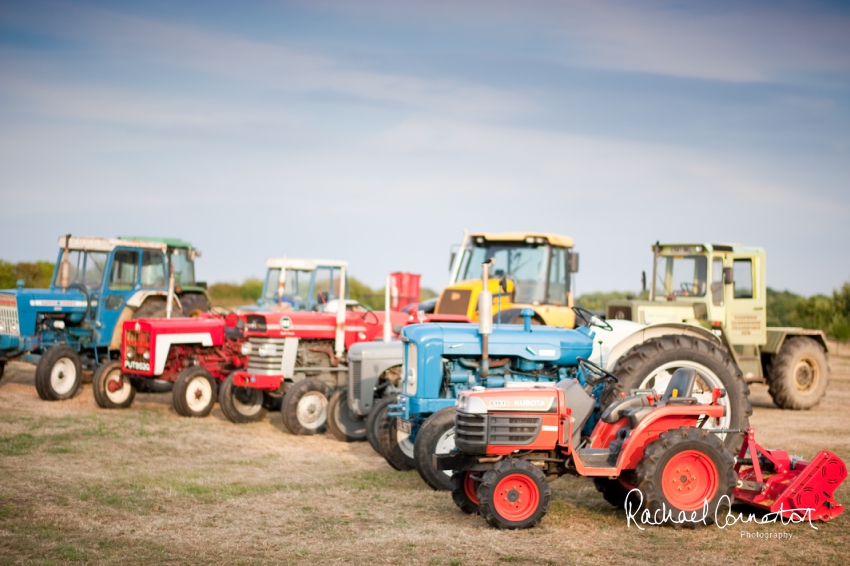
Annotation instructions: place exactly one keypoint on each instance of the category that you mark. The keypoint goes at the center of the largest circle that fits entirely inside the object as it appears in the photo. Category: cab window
(153, 269)
(558, 277)
(743, 278)
(125, 270)
(717, 281)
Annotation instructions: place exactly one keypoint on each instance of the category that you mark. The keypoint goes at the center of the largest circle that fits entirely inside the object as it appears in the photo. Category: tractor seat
(614, 412)
(636, 407)
(680, 387)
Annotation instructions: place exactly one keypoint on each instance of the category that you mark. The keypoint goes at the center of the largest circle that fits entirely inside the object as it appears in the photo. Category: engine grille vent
(9, 316)
(512, 430)
(619, 313)
(355, 369)
(271, 360)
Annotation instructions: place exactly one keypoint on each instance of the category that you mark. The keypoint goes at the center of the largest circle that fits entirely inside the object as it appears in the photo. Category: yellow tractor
(529, 269)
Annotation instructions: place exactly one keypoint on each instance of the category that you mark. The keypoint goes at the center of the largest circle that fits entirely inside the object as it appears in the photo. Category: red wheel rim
(470, 486)
(689, 479)
(516, 497)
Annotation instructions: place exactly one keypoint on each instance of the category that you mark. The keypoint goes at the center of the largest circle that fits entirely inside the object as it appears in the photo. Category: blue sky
(377, 131)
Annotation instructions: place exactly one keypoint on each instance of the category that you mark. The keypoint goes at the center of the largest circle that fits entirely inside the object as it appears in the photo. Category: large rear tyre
(111, 389)
(194, 304)
(305, 407)
(373, 421)
(396, 447)
(798, 374)
(194, 392)
(684, 472)
(613, 491)
(2, 369)
(240, 404)
(58, 374)
(464, 491)
(344, 424)
(435, 436)
(514, 495)
(650, 365)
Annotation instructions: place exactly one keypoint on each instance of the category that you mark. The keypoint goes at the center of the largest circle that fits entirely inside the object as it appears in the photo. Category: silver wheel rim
(198, 394)
(63, 376)
(404, 443)
(446, 444)
(247, 401)
(705, 382)
(119, 395)
(312, 410)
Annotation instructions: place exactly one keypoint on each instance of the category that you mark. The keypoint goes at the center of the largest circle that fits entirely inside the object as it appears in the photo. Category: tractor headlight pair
(471, 405)
(246, 348)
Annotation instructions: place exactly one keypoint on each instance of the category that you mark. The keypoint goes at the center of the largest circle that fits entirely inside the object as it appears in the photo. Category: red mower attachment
(787, 485)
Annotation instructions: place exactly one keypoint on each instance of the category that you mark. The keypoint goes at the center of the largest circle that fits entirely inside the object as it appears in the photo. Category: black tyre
(2, 369)
(342, 422)
(111, 389)
(240, 404)
(272, 401)
(613, 491)
(194, 392)
(194, 304)
(373, 421)
(396, 447)
(435, 436)
(514, 495)
(305, 407)
(154, 307)
(58, 374)
(798, 374)
(649, 366)
(683, 471)
(465, 491)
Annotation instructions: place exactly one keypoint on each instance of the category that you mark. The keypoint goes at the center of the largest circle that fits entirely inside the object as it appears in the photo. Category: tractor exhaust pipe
(65, 267)
(485, 317)
(655, 249)
(388, 329)
(339, 339)
(169, 298)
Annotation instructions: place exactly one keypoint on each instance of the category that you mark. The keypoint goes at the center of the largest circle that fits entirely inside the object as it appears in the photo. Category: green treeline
(35, 275)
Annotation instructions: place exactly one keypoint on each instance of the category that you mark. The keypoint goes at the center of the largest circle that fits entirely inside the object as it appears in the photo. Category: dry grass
(144, 486)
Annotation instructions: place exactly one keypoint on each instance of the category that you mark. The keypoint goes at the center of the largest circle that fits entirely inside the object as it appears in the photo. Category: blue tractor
(98, 283)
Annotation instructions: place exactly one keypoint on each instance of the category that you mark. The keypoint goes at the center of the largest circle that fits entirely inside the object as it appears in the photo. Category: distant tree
(35, 275)
(782, 308)
(599, 301)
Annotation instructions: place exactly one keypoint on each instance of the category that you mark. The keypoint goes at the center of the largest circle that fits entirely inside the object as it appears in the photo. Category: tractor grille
(9, 324)
(355, 369)
(266, 356)
(473, 433)
(454, 302)
(619, 313)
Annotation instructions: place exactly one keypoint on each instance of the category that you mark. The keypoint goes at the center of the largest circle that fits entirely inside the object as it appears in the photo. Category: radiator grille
(9, 316)
(512, 430)
(454, 302)
(271, 362)
(355, 369)
(619, 313)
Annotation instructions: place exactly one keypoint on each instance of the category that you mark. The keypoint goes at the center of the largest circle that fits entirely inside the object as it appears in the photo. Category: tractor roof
(170, 242)
(302, 264)
(108, 244)
(554, 239)
(699, 248)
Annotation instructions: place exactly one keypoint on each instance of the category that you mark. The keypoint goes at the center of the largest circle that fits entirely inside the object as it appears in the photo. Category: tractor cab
(302, 285)
(528, 269)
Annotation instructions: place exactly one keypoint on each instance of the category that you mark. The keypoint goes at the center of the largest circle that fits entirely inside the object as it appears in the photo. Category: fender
(613, 352)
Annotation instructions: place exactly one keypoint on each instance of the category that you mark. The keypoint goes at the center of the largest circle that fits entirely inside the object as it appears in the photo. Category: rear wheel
(194, 304)
(396, 447)
(240, 404)
(650, 365)
(464, 491)
(2, 369)
(683, 472)
(58, 374)
(343, 423)
(154, 307)
(111, 389)
(435, 436)
(373, 421)
(613, 491)
(194, 392)
(305, 407)
(798, 374)
(514, 495)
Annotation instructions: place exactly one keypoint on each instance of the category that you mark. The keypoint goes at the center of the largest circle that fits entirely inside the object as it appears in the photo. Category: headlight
(266, 350)
(2, 327)
(411, 362)
(146, 355)
(470, 405)
(129, 354)
(246, 348)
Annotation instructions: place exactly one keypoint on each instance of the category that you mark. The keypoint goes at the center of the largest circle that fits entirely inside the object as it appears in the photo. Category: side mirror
(573, 263)
(728, 278)
(503, 283)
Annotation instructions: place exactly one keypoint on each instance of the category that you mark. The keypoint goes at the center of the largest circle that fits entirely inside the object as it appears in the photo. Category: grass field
(81, 485)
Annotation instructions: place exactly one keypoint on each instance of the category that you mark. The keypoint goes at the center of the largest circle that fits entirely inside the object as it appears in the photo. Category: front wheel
(194, 392)
(343, 423)
(435, 436)
(686, 477)
(798, 374)
(240, 404)
(373, 421)
(396, 447)
(111, 389)
(58, 374)
(305, 407)
(464, 491)
(514, 495)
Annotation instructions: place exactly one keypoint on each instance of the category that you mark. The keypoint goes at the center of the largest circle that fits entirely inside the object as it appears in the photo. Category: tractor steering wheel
(591, 319)
(368, 312)
(593, 373)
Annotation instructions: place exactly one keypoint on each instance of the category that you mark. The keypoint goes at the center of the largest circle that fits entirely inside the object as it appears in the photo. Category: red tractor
(187, 356)
(654, 455)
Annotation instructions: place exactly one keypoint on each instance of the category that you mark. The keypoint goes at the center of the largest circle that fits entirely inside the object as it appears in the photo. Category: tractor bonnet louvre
(474, 432)
(270, 362)
(355, 378)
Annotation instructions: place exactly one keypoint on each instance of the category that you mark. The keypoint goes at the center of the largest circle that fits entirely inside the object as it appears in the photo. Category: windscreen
(683, 276)
(86, 268)
(526, 264)
(184, 268)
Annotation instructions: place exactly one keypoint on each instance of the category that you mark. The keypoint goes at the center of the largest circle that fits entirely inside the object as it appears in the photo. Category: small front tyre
(194, 392)
(343, 423)
(58, 374)
(514, 495)
(241, 404)
(112, 390)
(305, 407)
(435, 436)
(464, 491)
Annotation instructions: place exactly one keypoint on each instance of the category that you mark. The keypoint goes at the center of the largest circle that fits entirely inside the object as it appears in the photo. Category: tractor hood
(557, 346)
(31, 302)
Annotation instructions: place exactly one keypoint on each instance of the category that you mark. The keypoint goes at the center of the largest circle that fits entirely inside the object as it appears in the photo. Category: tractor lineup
(498, 387)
